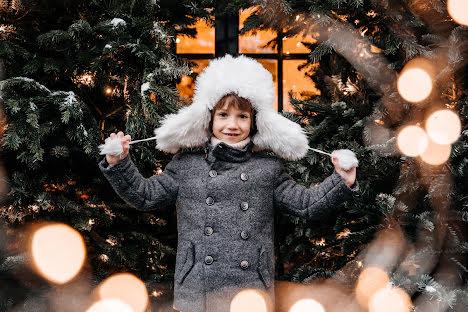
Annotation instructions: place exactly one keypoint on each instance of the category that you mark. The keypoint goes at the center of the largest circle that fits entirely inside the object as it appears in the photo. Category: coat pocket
(262, 267)
(188, 263)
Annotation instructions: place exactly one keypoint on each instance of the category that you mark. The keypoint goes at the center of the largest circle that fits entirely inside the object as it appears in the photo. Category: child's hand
(112, 160)
(349, 176)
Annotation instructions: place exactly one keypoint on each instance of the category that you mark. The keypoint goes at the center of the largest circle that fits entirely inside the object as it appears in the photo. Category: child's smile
(231, 125)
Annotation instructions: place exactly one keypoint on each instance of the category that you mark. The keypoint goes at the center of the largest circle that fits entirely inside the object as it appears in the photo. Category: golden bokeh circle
(58, 252)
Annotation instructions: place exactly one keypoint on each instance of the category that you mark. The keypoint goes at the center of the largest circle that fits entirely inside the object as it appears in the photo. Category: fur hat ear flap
(280, 135)
(187, 128)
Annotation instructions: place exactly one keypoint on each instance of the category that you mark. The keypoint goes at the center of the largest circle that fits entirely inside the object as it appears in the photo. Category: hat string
(154, 138)
(114, 147)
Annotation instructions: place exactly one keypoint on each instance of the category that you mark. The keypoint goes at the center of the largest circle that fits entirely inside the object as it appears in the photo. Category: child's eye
(244, 116)
(222, 114)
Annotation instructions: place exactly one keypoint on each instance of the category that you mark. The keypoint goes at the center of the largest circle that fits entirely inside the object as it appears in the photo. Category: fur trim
(248, 79)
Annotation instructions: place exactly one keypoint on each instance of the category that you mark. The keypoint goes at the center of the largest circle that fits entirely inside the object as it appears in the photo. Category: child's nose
(232, 124)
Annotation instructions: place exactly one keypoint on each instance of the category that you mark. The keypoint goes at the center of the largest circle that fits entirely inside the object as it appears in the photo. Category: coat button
(244, 235)
(244, 264)
(244, 176)
(212, 173)
(244, 206)
(209, 201)
(208, 230)
(208, 260)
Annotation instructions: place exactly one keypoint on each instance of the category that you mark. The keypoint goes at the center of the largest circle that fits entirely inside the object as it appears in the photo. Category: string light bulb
(58, 252)
(86, 79)
(390, 299)
(248, 300)
(369, 282)
(415, 81)
(307, 305)
(412, 141)
(436, 154)
(458, 10)
(443, 126)
(110, 305)
(127, 288)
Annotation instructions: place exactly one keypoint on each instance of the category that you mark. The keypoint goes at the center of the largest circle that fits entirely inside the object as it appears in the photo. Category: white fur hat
(248, 79)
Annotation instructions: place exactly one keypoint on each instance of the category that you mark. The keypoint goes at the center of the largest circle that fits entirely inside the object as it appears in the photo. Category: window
(284, 59)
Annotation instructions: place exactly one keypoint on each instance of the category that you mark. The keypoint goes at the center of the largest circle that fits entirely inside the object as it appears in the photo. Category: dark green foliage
(359, 108)
(58, 63)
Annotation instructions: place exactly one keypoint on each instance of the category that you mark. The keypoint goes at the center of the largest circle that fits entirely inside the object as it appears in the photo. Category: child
(226, 195)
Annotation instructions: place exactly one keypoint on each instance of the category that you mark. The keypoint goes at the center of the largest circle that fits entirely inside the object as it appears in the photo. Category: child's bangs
(232, 100)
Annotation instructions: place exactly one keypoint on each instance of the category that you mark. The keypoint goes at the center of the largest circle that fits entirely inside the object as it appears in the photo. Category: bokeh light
(436, 154)
(443, 126)
(307, 305)
(58, 252)
(369, 282)
(412, 141)
(458, 10)
(415, 81)
(127, 288)
(248, 300)
(110, 305)
(392, 299)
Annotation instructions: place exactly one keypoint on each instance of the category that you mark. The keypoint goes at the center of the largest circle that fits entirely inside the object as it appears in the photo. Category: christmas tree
(361, 47)
(72, 73)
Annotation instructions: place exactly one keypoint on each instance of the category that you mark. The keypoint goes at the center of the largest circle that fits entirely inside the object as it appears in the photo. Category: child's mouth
(231, 134)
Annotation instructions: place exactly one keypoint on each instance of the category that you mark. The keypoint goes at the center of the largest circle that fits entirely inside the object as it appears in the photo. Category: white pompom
(112, 147)
(346, 158)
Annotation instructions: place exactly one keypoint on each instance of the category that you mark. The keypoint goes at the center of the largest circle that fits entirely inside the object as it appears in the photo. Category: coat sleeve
(139, 192)
(315, 202)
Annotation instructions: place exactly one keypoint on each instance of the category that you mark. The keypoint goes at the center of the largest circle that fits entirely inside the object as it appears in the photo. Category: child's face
(231, 125)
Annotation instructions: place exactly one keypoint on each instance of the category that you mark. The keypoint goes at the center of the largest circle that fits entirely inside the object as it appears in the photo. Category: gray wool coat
(225, 201)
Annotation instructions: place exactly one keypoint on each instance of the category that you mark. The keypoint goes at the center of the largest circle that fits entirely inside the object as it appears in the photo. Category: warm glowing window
(187, 83)
(203, 43)
(279, 54)
(272, 67)
(296, 44)
(296, 81)
(254, 42)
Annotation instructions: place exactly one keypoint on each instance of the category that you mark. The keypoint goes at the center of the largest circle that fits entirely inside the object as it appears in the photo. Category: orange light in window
(254, 43)
(298, 82)
(187, 83)
(203, 43)
(294, 44)
(272, 67)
